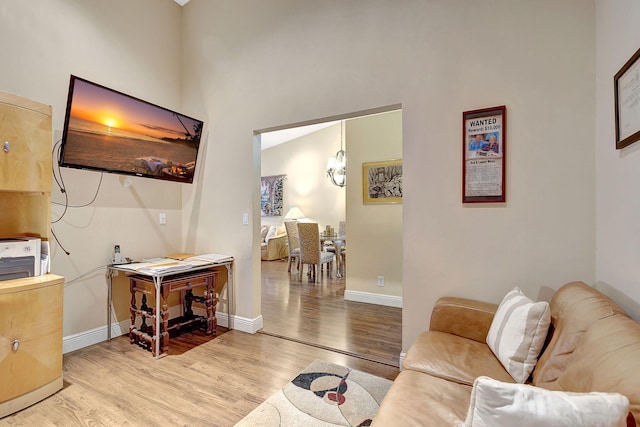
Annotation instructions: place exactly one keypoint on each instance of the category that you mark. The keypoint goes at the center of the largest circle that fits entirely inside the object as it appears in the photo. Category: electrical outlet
(245, 219)
(163, 218)
(380, 280)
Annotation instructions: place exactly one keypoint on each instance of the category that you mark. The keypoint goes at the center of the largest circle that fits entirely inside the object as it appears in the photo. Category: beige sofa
(273, 243)
(592, 346)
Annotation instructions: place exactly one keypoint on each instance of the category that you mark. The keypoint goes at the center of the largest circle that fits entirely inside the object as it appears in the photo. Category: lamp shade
(294, 213)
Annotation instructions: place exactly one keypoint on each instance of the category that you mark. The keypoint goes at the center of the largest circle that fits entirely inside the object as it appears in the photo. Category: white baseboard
(402, 356)
(94, 336)
(244, 324)
(371, 298)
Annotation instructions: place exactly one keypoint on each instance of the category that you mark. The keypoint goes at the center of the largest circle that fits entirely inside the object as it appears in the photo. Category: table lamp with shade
(294, 214)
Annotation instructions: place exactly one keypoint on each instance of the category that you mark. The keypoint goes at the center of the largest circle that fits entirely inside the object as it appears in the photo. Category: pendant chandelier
(337, 166)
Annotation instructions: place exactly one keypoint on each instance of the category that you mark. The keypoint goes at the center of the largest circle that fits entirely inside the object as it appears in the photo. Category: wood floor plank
(318, 313)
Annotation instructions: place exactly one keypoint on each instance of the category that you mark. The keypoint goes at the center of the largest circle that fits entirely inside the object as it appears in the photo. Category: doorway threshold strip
(335, 350)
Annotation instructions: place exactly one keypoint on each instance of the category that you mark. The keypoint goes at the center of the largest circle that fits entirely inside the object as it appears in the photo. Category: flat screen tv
(109, 131)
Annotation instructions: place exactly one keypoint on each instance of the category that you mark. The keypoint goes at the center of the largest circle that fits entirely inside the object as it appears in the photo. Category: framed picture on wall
(382, 182)
(271, 195)
(627, 102)
(483, 155)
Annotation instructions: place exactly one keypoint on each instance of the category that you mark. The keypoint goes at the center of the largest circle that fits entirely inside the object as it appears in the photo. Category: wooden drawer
(31, 314)
(187, 284)
(180, 282)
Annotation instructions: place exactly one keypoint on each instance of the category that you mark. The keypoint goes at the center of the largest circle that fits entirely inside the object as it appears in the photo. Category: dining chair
(294, 243)
(339, 247)
(310, 252)
(342, 235)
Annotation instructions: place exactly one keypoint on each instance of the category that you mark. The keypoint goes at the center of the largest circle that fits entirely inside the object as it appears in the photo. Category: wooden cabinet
(26, 161)
(30, 341)
(25, 167)
(30, 308)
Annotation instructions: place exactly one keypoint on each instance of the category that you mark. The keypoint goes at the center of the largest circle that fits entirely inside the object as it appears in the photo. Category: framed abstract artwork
(271, 195)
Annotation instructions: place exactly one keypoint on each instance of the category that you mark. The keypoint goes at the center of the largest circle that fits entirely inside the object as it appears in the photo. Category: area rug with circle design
(323, 394)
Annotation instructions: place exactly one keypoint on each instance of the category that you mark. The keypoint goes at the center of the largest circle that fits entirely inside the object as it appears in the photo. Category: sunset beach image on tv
(109, 131)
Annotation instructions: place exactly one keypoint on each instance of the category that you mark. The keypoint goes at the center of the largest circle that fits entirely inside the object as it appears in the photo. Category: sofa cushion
(606, 360)
(453, 358)
(461, 316)
(495, 403)
(574, 308)
(416, 399)
(517, 333)
(271, 233)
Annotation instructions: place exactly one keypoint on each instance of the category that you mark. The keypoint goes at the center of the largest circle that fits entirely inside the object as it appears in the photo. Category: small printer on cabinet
(19, 257)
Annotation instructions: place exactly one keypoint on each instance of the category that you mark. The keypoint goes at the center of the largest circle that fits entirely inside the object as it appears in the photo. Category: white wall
(250, 64)
(304, 161)
(255, 65)
(374, 230)
(122, 45)
(617, 171)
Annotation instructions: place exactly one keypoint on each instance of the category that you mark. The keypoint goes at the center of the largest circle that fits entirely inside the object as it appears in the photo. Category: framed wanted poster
(483, 155)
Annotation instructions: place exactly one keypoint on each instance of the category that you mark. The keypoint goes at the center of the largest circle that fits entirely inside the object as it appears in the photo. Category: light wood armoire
(31, 307)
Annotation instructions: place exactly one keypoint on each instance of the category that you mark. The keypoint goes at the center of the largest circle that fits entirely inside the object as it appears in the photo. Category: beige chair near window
(294, 243)
(310, 253)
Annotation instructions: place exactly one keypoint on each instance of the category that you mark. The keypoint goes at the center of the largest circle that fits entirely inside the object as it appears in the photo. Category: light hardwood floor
(317, 313)
(204, 381)
(211, 381)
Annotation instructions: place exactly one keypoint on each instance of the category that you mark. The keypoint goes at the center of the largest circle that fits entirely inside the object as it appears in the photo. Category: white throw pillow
(263, 231)
(495, 404)
(517, 333)
(271, 233)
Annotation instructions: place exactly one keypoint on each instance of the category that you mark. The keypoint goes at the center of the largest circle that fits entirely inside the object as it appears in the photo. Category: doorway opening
(360, 313)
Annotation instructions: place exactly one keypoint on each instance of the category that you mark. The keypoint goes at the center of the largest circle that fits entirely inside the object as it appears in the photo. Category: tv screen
(109, 131)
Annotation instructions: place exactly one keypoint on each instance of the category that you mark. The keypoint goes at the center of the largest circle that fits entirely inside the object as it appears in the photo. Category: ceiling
(271, 139)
